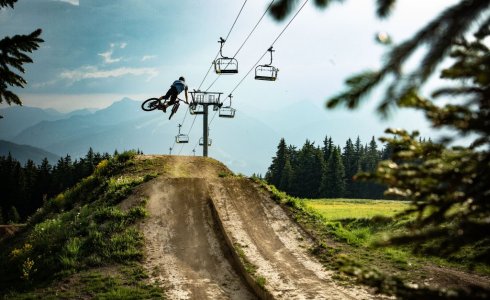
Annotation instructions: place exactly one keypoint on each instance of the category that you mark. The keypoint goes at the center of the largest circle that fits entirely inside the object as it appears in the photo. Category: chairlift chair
(266, 72)
(181, 138)
(196, 109)
(227, 111)
(226, 65)
(223, 64)
(201, 142)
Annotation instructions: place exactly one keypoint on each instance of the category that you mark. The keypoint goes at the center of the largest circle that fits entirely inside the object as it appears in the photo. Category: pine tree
(13, 216)
(356, 186)
(12, 58)
(335, 182)
(327, 147)
(351, 167)
(44, 185)
(25, 205)
(274, 172)
(310, 171)
(90, 161)
(371, 159)
(11, 178)
(287, 177)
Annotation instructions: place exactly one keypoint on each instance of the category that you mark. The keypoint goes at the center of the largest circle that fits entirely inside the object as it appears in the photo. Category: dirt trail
(186, 252)
(273, 243)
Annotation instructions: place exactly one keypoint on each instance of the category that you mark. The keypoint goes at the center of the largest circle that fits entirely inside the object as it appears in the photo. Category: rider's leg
(170, 91)
(173, 97)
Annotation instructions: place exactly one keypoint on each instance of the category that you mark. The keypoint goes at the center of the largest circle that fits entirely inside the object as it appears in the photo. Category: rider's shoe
(164, 108)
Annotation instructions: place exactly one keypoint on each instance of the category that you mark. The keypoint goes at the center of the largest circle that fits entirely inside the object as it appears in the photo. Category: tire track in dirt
(184, 251)
(274, 244)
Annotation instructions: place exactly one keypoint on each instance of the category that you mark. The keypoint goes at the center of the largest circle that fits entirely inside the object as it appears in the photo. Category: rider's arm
(186, 97)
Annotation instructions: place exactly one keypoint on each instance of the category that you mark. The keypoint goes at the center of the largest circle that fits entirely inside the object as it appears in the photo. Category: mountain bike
(156, 103)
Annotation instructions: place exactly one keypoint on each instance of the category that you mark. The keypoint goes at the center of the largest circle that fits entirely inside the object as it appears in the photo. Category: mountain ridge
(22, 153)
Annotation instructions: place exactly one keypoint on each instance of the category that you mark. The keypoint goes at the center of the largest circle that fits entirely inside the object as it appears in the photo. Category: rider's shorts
(172, 93)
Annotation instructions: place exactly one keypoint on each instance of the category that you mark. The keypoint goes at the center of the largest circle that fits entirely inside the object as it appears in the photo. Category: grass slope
(346, 233)
(83, 243)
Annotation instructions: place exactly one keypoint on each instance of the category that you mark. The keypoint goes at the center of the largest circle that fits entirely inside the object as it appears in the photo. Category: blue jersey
(179, 85)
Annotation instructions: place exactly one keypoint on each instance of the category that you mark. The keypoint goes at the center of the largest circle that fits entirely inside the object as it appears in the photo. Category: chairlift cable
(255, 27)
(207, 73)
(188, 133)
(209, 124)
(299, 10)
(211, 121)
(240, 48)
(227, 36)
(253, 67)
(173, 145)
(185, 115)
(216, 79)
(209, 70)
(277, 38)
(261, 57)
(236, 19)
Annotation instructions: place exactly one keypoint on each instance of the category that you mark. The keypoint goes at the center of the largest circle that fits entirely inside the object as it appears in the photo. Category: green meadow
(338, 209)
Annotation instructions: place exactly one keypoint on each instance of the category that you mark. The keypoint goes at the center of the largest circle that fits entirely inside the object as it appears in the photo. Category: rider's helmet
(182, 78)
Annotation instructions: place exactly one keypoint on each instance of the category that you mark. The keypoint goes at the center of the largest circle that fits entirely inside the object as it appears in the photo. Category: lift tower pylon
(200, 103)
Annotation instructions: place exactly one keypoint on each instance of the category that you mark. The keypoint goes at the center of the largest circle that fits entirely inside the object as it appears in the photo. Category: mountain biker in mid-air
(177, 87)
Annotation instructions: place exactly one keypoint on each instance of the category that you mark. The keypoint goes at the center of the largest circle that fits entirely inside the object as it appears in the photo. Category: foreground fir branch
(12, 58)
(449, 185)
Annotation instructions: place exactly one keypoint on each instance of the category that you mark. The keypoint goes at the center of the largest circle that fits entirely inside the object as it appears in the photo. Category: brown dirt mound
(186, 252)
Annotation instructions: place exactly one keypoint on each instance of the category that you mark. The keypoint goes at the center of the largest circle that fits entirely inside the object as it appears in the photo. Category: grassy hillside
(349, 233)
(84, 242)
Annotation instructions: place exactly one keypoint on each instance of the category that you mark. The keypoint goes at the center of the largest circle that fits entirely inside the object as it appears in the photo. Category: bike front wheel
(174, 109)
(151, 104)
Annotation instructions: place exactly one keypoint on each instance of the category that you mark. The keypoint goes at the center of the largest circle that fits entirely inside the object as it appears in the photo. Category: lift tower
(201, 101)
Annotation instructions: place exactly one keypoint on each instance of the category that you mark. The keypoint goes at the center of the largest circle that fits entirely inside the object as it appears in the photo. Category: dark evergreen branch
(12, 57)
(280, 9)
(360, 85)
(384, 7)
(484, 29)
(5, 3)
(453, 24)
(457, 91)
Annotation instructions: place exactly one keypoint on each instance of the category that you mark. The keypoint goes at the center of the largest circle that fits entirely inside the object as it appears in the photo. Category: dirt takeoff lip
(203, 225)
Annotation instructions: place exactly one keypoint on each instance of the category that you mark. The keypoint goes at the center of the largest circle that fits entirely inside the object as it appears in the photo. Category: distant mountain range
(246, 143)
(17, 118)
(22, 153)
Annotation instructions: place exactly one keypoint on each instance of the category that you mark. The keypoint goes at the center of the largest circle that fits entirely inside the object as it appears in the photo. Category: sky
(97, 52)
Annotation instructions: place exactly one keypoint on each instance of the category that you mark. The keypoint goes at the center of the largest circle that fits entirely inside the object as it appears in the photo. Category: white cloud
(148, 57)
(108, 54)
(72, 2)
(91, 72)
(108, 57)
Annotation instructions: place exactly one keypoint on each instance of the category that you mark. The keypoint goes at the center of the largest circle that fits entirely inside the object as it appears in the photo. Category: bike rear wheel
(151, 104)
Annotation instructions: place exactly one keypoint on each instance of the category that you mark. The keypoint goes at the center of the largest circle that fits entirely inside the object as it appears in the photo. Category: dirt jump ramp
(214, 236)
